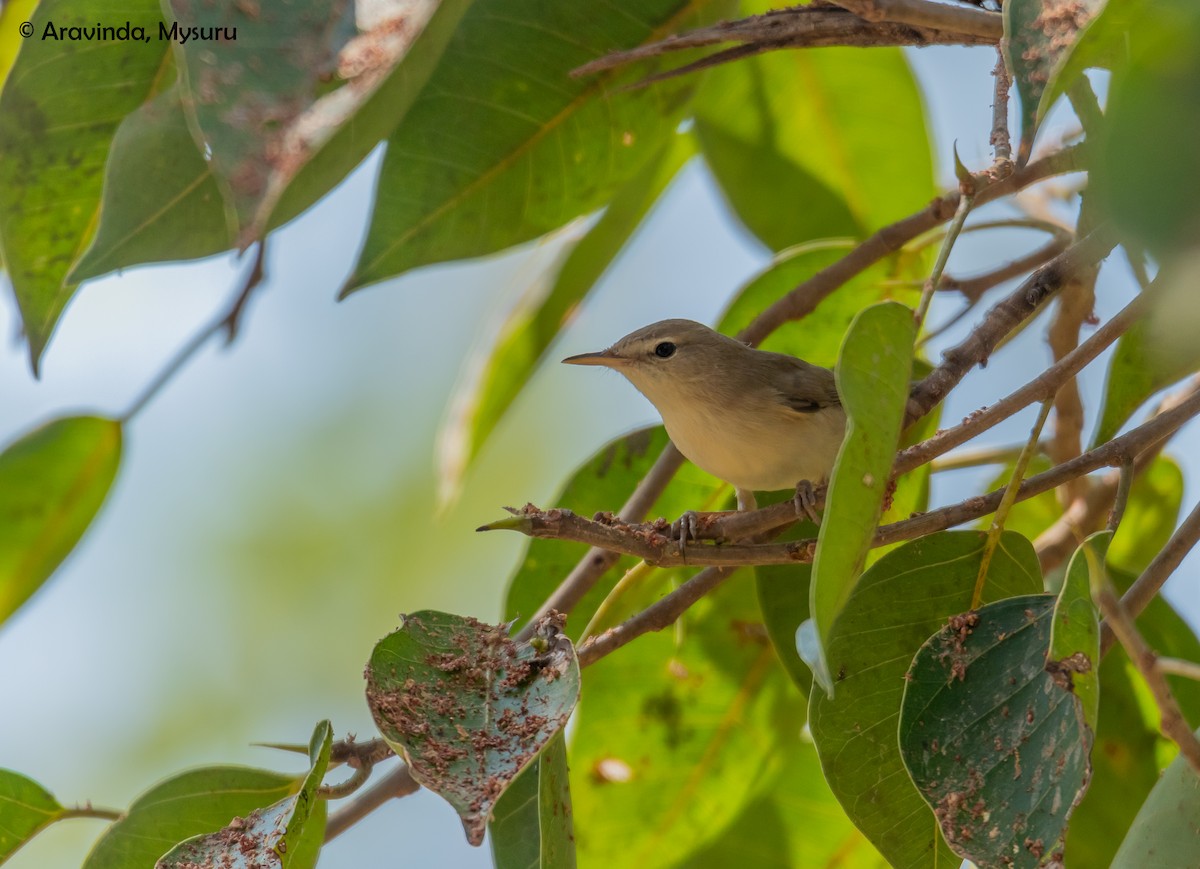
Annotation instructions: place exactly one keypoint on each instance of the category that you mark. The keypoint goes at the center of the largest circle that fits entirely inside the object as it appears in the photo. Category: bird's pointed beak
(604, 357)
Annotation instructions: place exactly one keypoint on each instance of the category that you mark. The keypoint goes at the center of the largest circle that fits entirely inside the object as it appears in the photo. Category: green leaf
(1102, 43)
(902, 599)
(1164, 833)
(997, 745)
(1075, 633)
(503, 145)
(467, 707)
(280, 834)
(783, 591)
(1150, 515)
(1032, 516)
(1138, 369)
(873, 378)
(58, 112)
(53, 481)
(793, 140)
(602, 483)
(679, 732)
(26, 808)
(532, 827)
(1149, 186)
(161, 200)
(188, 804)
(1037, 34)
(12, 15)
(536, 320)
(245, 94)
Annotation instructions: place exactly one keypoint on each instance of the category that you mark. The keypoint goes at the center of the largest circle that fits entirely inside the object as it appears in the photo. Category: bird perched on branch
(756, 419)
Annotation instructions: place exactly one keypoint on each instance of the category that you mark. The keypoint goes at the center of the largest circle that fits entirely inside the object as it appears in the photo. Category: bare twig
(349, 786)
(397, 783)
(227, 322)
(1179, 667)
(974, 287)
(1124, 484)
(1000, 139)
(1173, 723)
(980, 457)
(922, 13)
(90, 811)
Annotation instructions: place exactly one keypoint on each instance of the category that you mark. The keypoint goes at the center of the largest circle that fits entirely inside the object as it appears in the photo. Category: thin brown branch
(668, 609)
(1121, 501)
(1180, 667)
(397, 783)
(810, 26)
(922, 13)
(1173, 723)
(1152, 579)
(1000, 139)
(974, 287)
(349, 786)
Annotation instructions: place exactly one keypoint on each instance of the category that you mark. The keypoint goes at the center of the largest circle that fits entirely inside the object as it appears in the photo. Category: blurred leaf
(12, 14)
(532, 827)
(1102, 43)
(503, 145)
(783, 591)
(1075, 629)
(1030, 517)
(188, 804)
(161, 200)
(679, 732)
(900, 601)
(26, 808)
(280, 834)
(796, 823)
(793, 140)
(1135, 373)
(603, 483)
(873, 379)
(1164, 833)
(978, 697)
(1150, 186)
(1124, 767)
(467, 707)
(537, 319)
(58, 112)
(1037, 34)
(53, 481)
(1150, 515)
(246, 94)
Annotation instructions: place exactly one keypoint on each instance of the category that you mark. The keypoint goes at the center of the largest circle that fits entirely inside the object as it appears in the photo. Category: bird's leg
(806, 502)
(686, 527)
(745, 499)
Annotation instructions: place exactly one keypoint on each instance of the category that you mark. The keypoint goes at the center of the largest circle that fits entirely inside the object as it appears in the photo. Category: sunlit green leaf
(1037, 34)
(503, 145)
(1164, 833)
(873, 373)
(1150, 515)
(468, 707)
(995, 743)
(12, 15)
(58, 112)
(540, 315)
(52, 483)
(188, 804)
(532, 825)
(1075, 632)
(25, 809)
(900, 601)
(287, 833)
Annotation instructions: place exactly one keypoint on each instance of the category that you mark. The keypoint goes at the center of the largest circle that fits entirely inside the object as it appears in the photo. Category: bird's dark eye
(664, 350)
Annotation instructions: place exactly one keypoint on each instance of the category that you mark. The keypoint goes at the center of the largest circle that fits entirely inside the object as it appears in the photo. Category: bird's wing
(806, 388)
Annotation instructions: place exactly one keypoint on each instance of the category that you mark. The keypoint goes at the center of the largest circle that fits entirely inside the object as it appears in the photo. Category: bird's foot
(806, 502)
(685, 528)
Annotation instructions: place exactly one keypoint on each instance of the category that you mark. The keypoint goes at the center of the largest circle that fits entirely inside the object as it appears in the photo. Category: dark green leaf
(873, 379)
(793, 138)
(1164, 832)
(1150, 515)
(1037, 34)
(26, 808)
(287, 833)
(503, 145)
(468, 707)
(532, 827)
(603, 483)
(679, 732)
(58, 112)
(1138, 369)
(902, 599)
(52, 483)
(538, 317)
(161, 200)
(997, 745)
(194, 802)
(245, 94)
(1075, 631)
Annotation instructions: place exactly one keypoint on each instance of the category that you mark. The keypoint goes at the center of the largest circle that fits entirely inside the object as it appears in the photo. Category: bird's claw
(806, 502)
(686, 527)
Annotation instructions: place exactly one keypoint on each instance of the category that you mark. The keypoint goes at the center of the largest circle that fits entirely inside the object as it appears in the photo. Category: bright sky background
(275, 509)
